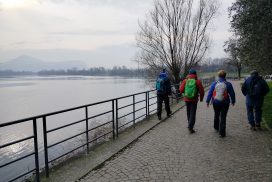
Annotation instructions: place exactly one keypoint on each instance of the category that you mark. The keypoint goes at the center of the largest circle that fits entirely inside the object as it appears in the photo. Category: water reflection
(25, 97)
(2, 85)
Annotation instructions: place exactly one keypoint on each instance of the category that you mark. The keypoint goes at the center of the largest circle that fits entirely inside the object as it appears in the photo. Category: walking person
(163, 87)
(254, 88)
(221, 94)
(192, 90)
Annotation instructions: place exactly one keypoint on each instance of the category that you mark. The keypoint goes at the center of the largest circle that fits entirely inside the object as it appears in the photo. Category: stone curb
(133, 141)
(129, 144)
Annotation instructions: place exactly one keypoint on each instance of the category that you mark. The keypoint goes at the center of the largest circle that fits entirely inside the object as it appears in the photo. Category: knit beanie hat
(192, 71)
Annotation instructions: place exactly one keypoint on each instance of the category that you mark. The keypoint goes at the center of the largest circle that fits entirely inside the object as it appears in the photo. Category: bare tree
(233, 51)
(174, 35)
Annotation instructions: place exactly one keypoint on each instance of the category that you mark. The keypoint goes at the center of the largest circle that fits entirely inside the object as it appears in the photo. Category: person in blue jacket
(163, 87)
(221, 94)
(254, 88)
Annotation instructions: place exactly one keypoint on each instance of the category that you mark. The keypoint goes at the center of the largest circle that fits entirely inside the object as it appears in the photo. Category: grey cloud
(19, 43)
(59, 19)
(117, 3)
(98, 1)
(54, 1)
(107, 56)
(90, 32)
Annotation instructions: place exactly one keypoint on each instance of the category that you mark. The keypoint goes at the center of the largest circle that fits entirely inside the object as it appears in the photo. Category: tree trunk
(239, 72)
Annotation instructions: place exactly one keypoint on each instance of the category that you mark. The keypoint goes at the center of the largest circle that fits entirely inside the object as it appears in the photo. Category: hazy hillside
(28, 63)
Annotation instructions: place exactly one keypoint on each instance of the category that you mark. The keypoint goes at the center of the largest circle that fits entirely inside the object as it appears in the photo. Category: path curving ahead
(170, 153)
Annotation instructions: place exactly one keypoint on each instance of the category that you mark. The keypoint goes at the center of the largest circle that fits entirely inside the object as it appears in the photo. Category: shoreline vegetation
(267, 112)
(95, 71)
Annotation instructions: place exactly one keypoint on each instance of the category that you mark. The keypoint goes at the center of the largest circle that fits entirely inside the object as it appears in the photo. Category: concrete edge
(128, 145)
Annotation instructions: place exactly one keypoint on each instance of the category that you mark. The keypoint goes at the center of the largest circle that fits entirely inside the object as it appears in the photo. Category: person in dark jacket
(254, 88)
(221, 94)
(163, 87)
(191, 103)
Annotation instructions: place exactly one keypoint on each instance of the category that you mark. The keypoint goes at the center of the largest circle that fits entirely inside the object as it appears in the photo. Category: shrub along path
(267, 111)
(170, 153)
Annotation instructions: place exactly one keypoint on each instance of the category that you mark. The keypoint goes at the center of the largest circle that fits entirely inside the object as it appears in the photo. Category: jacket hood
(162, 75)
(192, 76)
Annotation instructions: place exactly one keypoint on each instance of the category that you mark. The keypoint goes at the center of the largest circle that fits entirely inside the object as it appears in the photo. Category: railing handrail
(69, 109)
(115, 126)
(73, 108)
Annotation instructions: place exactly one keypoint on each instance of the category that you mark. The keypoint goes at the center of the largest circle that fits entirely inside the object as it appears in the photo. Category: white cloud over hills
(94, 31)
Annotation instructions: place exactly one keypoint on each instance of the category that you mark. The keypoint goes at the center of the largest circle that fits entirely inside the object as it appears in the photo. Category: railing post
(45, 147)
(113, 124)
(37, 179)
(116, 112)
(146, 105)
(134, 111)
(87, 128)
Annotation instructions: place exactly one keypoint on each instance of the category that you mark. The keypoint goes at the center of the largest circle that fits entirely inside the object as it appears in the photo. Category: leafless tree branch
(174, 34)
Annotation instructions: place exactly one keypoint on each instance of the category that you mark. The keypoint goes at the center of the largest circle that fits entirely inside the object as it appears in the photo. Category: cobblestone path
(170, 153)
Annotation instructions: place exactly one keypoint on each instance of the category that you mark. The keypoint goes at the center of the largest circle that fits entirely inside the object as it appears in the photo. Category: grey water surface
(22, 97)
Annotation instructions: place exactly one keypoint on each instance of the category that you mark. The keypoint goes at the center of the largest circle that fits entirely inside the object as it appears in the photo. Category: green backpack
(190, 89)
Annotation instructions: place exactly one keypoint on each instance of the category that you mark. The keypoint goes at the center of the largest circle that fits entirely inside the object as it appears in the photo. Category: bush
(267, 111)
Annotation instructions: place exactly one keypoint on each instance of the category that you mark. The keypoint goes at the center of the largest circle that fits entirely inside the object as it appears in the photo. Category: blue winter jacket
(167, 84)
(228, 100)
(257, 101)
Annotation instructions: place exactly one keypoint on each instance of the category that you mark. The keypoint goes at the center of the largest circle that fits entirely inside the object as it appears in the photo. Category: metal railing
(35, 152)
(147, 101)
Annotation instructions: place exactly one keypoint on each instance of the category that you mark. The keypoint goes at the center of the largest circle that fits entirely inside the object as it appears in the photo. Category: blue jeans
(254, 114)
(254, 110)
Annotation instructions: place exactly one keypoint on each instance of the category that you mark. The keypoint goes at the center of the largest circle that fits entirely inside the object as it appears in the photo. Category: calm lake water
(22, 97)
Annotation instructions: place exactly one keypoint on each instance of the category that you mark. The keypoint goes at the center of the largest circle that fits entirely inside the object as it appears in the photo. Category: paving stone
(170, 153)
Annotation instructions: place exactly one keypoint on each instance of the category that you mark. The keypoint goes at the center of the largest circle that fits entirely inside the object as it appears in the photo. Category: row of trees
(5, 73)
(95, 71)
(210, 65)
(174, 35)
(251, 43)
(98, 71)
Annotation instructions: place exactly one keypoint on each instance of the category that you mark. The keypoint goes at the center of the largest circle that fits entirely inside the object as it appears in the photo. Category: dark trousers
(220, 115)
(191, 113)
(254, 119)
(160, 99)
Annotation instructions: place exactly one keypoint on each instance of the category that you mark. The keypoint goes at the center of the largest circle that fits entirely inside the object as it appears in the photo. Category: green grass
(267, 109)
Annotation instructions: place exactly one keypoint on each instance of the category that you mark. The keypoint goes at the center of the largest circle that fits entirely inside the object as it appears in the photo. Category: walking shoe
(191, 130)
(258, 127)
(169, 114)
(222, 136)
(253, 128)
(159, 117)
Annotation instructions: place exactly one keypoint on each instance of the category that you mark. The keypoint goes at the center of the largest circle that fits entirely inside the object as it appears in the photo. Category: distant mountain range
(28, 63)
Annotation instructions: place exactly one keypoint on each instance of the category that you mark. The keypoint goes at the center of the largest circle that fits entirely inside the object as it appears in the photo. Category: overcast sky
(99, 32)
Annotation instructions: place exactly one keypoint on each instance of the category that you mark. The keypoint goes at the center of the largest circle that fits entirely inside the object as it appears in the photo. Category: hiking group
(221, 95)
